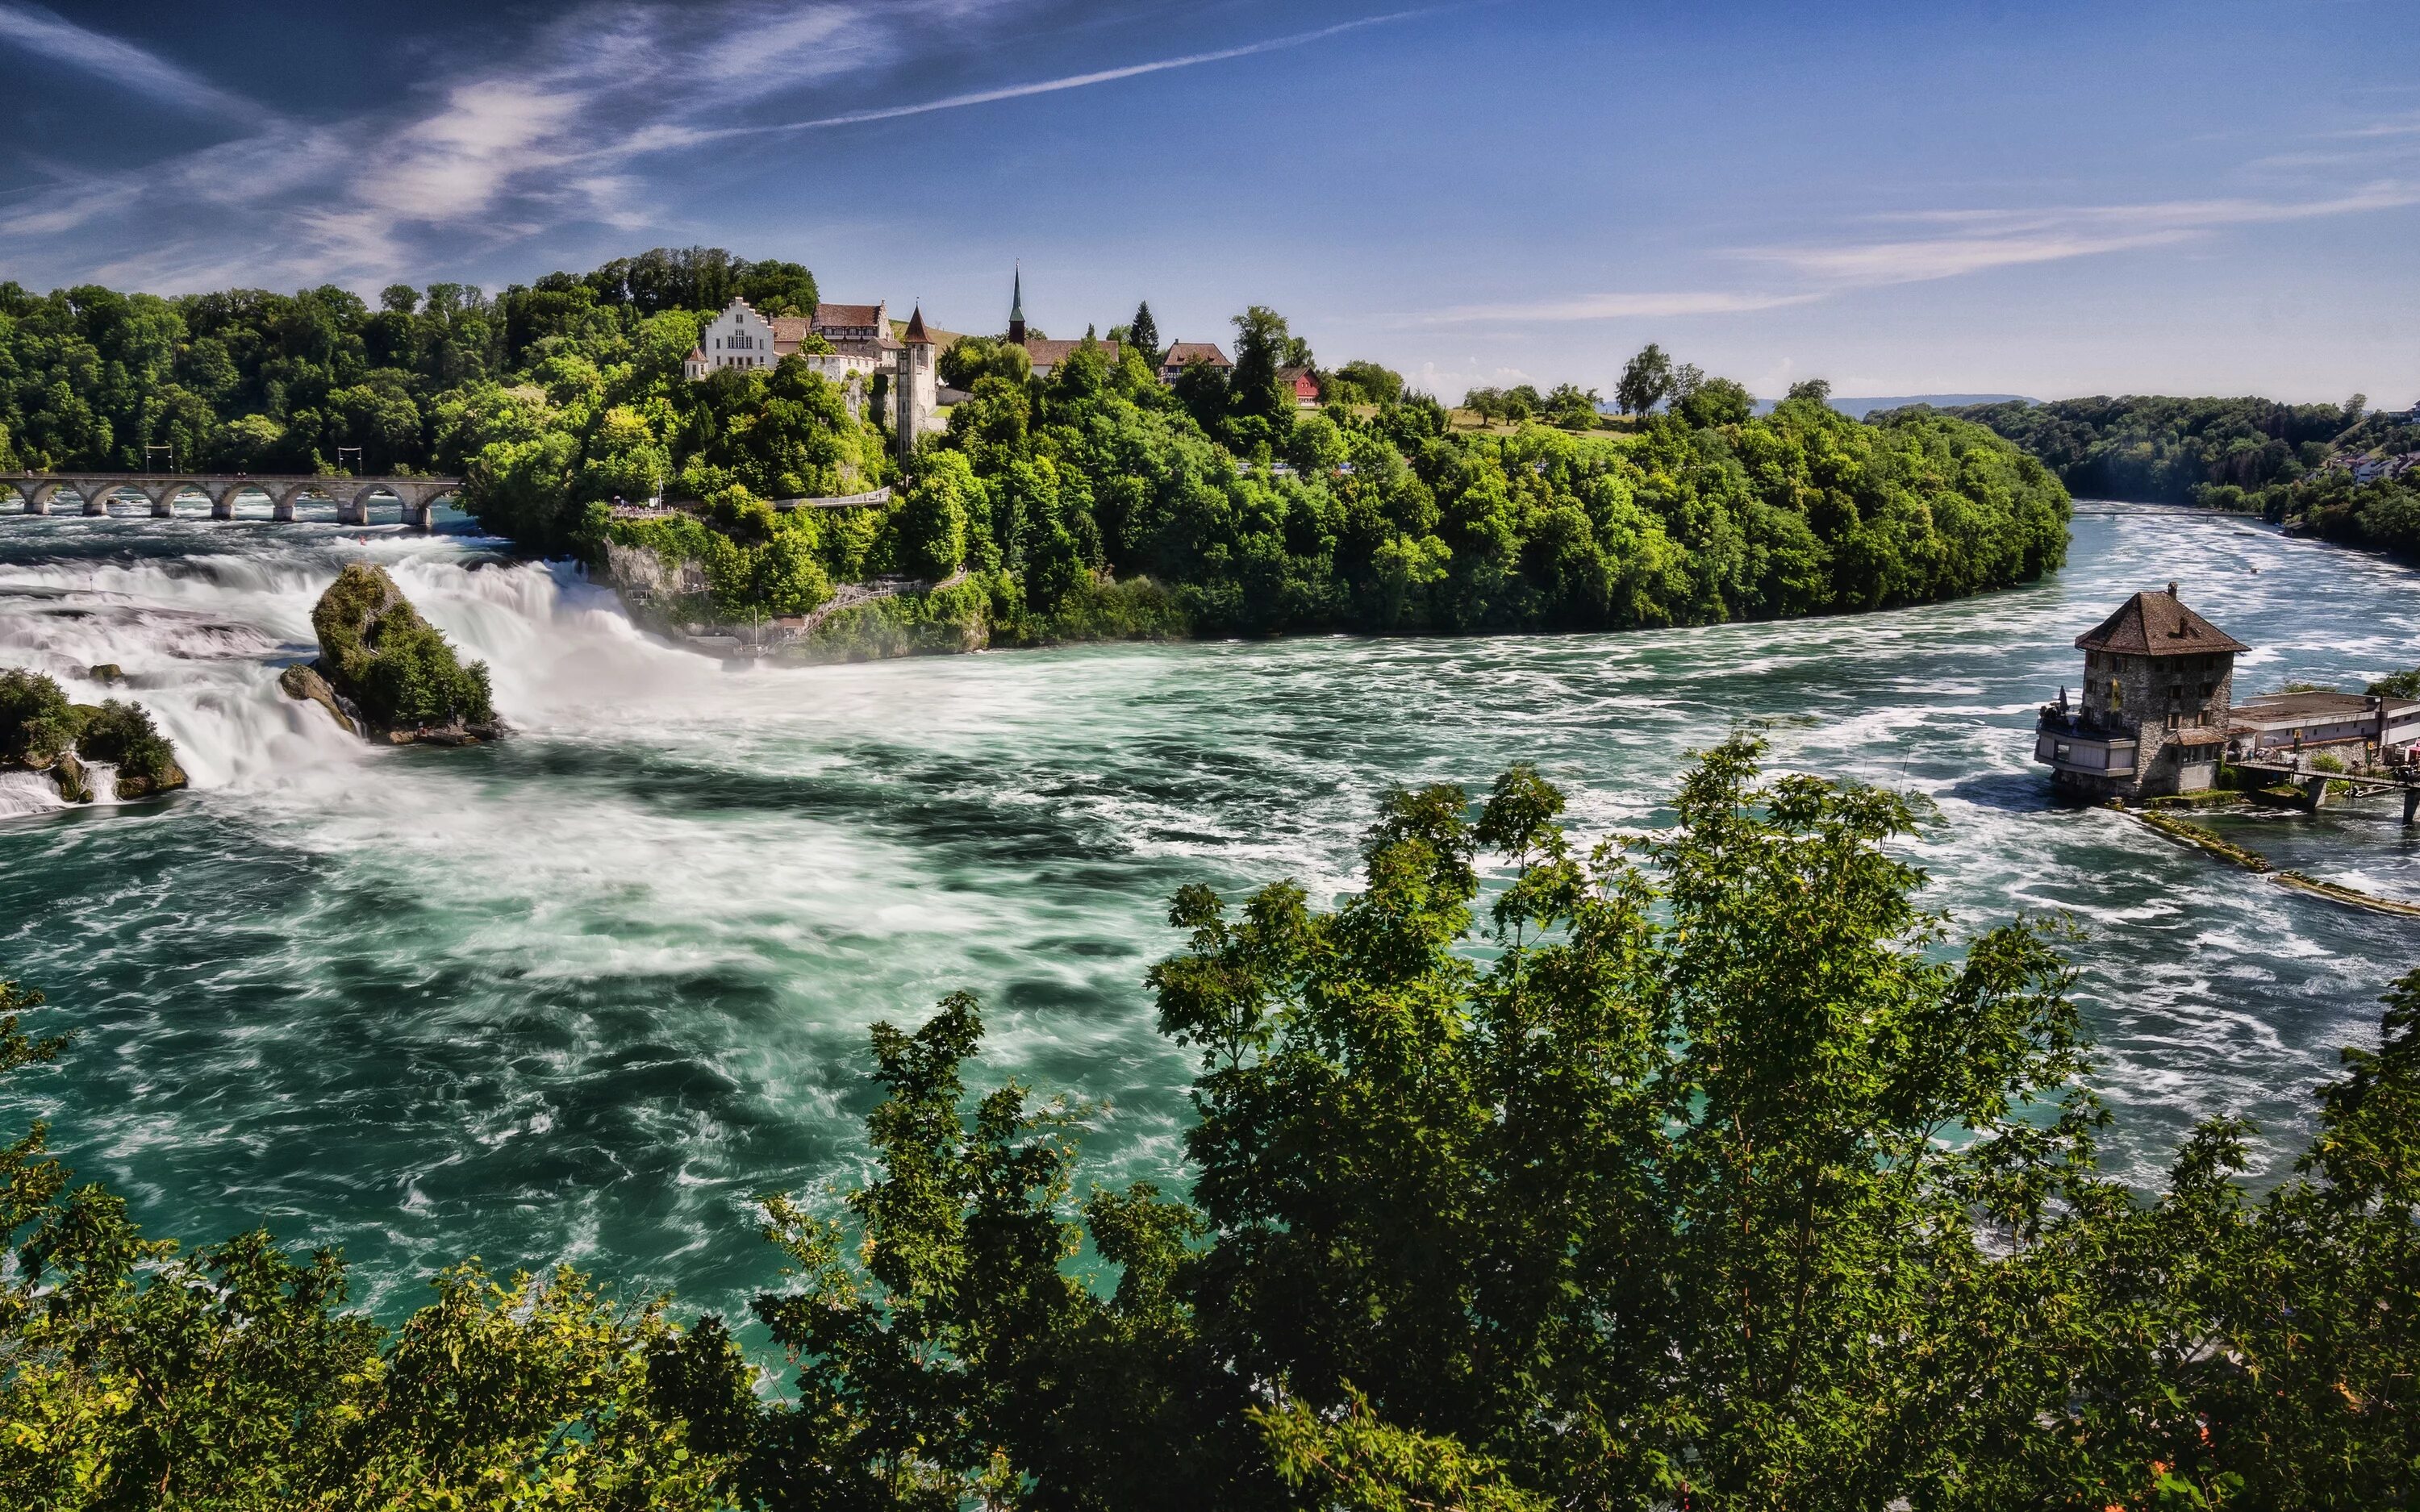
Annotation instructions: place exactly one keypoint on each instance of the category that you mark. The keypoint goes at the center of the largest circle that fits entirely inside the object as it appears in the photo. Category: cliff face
(872, 620)
(386, 674)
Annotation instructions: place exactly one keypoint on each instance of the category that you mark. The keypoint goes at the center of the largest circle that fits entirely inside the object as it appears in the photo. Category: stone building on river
(2157, 704)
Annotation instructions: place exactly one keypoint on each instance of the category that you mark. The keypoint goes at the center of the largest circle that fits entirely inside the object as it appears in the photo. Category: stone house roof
(2316, 706)
(2157, 624)
(1049, 352)
(828, 313)
(1183, 353)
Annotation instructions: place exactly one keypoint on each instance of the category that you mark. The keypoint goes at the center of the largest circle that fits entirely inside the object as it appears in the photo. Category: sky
(2045, 198)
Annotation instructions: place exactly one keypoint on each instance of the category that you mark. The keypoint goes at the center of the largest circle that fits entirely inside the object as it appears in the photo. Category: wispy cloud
(1989, 238)
(499, 152)
(1623, 306)
(48, 35)
(1072, 81)
(1973, 240)
(2397, 126)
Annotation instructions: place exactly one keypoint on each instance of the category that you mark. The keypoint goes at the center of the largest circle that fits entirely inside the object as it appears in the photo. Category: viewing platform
(353, 497)
(2067, 740)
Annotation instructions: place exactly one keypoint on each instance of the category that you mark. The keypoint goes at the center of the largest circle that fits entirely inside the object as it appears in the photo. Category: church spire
(1017, 307)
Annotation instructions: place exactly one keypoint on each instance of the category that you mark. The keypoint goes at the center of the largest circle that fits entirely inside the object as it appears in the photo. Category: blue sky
(2046, 198)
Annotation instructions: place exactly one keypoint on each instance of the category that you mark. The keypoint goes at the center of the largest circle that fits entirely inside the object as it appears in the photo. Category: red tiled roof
(1180, 353)
(2157, 624)
(848, 315)
(1048, 352)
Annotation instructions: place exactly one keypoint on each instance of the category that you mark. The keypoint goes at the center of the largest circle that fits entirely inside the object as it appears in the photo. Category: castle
(862, 346)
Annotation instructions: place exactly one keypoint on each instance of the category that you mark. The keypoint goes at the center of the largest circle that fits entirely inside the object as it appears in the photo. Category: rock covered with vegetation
(385, 673)
(39, 729)
(1706, 1171)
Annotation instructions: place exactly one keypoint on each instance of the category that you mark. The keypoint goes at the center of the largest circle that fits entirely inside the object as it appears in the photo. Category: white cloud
(54, 37)
(1622, 306)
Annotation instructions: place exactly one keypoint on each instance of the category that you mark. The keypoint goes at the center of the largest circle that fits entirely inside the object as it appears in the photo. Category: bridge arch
(282, 499)
(353, 497)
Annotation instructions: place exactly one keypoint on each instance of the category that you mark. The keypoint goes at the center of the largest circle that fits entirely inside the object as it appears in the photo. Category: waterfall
(200, 640)
(27, 793)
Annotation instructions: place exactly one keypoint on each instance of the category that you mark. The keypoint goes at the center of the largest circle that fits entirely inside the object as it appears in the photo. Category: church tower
(913, 394)
(1017, 308)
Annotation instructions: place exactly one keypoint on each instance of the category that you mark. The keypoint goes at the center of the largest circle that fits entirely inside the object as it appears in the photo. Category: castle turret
(914, 396)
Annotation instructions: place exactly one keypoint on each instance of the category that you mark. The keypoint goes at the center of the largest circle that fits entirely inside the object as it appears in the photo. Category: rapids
(583, 995)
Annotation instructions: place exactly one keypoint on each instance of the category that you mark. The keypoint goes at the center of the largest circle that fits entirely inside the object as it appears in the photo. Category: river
(583, 994)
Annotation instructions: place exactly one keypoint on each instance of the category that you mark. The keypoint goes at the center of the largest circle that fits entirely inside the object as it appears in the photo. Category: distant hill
(1860, 408)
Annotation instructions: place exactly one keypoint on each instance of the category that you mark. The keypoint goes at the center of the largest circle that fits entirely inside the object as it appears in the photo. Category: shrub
(122, 734)
(36, 724)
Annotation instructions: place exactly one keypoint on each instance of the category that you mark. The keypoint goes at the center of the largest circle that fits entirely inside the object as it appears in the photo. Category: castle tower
(913, 394)
(1017, 308)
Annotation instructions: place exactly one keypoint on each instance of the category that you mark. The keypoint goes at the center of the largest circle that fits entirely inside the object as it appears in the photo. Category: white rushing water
(585, 994)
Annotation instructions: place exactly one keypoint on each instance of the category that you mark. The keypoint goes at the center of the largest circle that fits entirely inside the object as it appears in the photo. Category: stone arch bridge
(352, 497)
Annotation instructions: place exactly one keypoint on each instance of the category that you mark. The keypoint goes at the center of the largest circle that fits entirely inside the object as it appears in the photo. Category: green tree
(1142, 333)
(1646, 380)
(932, 520)
(1264, 345)
(36, 722)
(1572, 407)
(1715, 402)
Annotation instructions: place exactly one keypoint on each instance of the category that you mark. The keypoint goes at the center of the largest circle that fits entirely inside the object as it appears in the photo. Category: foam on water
(586, 992)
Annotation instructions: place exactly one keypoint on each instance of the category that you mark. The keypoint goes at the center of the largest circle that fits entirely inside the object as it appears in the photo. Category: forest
(1702, 1168)
(2293, 464)
(1096, 501)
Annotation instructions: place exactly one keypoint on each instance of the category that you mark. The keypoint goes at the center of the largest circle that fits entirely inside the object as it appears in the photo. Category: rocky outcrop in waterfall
(387, 675)
(40, 731)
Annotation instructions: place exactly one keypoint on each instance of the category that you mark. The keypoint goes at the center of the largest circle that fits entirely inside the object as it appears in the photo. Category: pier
(2313, 782)
(352, 497)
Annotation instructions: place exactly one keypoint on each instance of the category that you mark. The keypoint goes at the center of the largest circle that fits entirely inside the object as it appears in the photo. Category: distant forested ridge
(1097, 500)
(2345, 472)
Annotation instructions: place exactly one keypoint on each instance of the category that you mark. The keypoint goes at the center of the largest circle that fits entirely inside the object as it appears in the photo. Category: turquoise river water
(583, 994)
